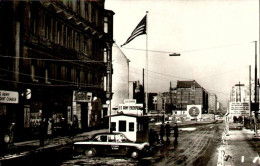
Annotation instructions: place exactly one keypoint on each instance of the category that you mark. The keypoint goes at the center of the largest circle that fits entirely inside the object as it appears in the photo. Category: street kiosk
(135, 127)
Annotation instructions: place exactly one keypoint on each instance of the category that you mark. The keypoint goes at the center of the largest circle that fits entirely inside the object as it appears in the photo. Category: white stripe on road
(255, 159)
(242, 159)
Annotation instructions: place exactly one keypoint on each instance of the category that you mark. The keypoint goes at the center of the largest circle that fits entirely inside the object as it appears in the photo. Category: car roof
(107, 133)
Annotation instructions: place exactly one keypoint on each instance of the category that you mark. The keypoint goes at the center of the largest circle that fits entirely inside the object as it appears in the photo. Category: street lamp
(175, 54)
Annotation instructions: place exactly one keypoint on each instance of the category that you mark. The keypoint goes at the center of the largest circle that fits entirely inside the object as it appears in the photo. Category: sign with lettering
(239, 109)
(80, 96)
(8, 97)
(130, 101)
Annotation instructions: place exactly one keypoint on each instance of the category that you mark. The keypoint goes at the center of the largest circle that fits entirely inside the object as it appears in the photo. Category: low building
(135, 127)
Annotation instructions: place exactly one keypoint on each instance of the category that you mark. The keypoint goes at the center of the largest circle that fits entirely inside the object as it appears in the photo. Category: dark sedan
(111, 144)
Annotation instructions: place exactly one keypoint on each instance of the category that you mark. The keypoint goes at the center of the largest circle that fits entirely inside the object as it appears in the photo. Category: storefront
(9, 106)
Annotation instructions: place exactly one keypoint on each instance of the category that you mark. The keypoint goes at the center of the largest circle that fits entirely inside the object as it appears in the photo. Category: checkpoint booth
(135, 127)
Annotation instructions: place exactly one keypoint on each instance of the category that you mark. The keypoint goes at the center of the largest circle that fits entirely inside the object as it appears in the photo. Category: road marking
(188, 129)
(242, 159)
(255, 159)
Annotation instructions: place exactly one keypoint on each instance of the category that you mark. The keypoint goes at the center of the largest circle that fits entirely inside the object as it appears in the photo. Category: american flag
(139, 30)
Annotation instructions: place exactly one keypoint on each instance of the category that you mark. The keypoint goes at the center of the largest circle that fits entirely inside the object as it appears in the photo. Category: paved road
(197, 145)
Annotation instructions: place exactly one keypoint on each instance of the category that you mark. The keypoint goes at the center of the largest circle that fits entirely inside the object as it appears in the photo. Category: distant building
(190, 93)
(212, 103)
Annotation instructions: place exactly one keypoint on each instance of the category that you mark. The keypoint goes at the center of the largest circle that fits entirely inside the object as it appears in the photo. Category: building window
(113, 126)
(78, 6)
(122, 126)
(65, 34)
(33, 73)
(77, 43)
(69, 35)
(105, 24)
(86, 11)
(105, 55)
(131, 126)
(47, 76)
(59, 34)
(70, 4)
(85, 47)
(63, 73)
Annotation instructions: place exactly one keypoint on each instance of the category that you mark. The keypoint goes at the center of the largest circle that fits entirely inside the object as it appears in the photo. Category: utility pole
(170, 96)
(250, 96)
(256, 107)
(144, 112)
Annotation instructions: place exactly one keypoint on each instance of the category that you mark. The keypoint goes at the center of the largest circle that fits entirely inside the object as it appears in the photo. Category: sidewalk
(237, 148)
(25, 148)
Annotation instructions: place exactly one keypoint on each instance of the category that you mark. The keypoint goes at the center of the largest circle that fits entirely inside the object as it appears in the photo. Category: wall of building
(60, 47)
(120, 78)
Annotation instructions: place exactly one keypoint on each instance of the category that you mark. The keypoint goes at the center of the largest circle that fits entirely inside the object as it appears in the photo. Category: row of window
(93, 15)
(59, 33)
(65, 75)
(122, 126)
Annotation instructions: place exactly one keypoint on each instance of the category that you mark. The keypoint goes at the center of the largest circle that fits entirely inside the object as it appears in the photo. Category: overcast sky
(214, 38)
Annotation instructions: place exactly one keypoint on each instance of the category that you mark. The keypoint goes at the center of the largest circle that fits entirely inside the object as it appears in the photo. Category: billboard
(239, 109)
(194, 111)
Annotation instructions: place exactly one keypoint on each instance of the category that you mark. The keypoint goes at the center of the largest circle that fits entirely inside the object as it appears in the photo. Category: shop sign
(8, 97)
(79, 96)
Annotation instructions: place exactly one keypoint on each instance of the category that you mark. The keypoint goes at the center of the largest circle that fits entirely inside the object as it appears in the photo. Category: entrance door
(84, 115)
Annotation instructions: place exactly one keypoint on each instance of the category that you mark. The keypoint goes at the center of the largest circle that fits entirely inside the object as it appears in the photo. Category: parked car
(111, 144)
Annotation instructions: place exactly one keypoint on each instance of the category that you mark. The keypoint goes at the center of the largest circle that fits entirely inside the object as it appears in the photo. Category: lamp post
(108, 102)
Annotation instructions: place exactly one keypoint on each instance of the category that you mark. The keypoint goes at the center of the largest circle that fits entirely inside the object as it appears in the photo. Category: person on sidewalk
(42, 132)
(75, 126)
(11, 133)
(176, 133)
(168, 130)
(162, 132)
(49, 128)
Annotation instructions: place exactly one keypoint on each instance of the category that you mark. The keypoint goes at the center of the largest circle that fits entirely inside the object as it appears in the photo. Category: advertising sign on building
(80, 96)
(239, 109)
(8, 97)
(194, 111)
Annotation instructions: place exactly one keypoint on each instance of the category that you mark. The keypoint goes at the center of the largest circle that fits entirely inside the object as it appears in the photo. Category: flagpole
(146, 98)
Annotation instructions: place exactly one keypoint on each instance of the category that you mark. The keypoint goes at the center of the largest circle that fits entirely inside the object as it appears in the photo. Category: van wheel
(135, 154)
(91, 152)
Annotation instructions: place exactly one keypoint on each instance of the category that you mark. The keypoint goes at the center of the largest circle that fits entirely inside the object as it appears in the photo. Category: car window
(123, 138)
(97, 139)
(111, 138)
(103, 138)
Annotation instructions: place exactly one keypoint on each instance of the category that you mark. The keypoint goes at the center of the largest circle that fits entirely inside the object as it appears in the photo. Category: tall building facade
(190, 93)
(56, 62)
(212, 103)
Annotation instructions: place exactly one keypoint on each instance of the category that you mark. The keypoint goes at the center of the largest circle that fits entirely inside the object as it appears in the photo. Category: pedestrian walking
(42, 132)
(75, 125)
(151, 137)
(168, 130)
(11, 133)
(49, 128)
(162, 132)
(176, 133)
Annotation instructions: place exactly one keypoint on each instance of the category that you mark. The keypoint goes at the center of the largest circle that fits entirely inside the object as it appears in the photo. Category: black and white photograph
(129, 82)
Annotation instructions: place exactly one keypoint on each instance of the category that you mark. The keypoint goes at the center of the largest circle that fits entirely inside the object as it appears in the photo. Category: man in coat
(176, 133)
